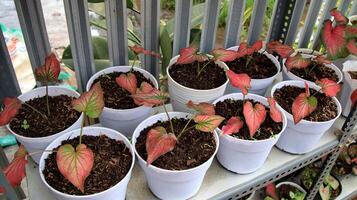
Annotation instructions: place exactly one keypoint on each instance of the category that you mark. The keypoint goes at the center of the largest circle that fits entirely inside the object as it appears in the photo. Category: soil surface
(353, 74)
(194, 147)
(229, 108)
(285, 189)
(31, 124)
(212, 76)
(259, 66)
(112, 161)
(115, 96)
(315, 71)
(326, 106)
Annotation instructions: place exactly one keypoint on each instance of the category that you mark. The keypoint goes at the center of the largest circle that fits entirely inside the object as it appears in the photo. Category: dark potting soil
(194, 147)
(315, 71)
(354, 22)
(258, 67)
(29, 123)
(326, 106)
(212, 76)
(353, 74)
(284, 191)
(115, 96)
(229, 108)
(112, 161)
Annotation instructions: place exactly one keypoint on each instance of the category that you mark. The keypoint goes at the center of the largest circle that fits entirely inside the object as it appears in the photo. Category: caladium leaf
(242, 50)
(207, 123)
(284, 51)
(322, 59)
(303, 105)
(333, 38)
(12, 106)
(224, 55)
(75, 164)
(137, 49)
(274, 113)
(297, 61)
(338, 16)
(50, 71)
(158, 143)
(127, 81)
(234, 124)
(241, 81)
(353, 97)
(254, 116)
(202, 107)
(270, 190)
(91, 103)
(257, 45)
(190, 55)
(149, 96)
(329, 87)
(351, 46)
(16, 170)
(351, 32)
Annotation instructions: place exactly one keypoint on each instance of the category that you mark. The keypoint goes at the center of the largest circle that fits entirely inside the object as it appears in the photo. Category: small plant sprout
(284, 51)
(245, 50)
(140, 50)
(48, 73)
(25, 124)
(75, 164)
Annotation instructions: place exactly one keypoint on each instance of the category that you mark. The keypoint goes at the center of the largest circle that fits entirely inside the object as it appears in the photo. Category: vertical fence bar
(8, 81)
(182, 25)
(294, 22)
(209, 25)
(310, 20)
(344, 6)
(80, 39)
(234, 24)
(256, 21)
(34, 30)
(354, 8)
(150, 22)
(276, 12)
(116, 15)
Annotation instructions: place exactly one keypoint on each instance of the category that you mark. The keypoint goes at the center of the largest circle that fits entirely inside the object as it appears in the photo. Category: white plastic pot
(170, 184)
(349, 85)
(245, 156)
(123, 120)
(258, 86)
(287, 75)
(38, 144)
(118, 191)
(293, 185)
(302, 137)
(180, 95)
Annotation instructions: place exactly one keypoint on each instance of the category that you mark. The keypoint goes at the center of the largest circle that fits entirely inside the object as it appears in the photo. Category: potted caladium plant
(90, 162)
(121, 112)
(284, 191)
(310, 110)
(252, 126)
(175, 149)
(197, 76)
(255, 61)
(41, 115)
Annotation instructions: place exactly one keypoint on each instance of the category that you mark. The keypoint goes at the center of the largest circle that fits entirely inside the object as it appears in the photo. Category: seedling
(25, 125)
(245, 50)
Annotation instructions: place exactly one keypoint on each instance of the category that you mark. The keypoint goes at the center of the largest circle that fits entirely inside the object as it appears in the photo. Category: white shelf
(349, 187)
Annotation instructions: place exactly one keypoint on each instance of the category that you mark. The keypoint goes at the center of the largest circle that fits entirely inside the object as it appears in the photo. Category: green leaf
(91, 102)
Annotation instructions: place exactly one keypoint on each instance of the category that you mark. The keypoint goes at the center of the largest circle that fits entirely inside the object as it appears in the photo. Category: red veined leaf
(329, 87)
(16, 170)
(149, 96)
(50, 71)
(297, 61)
(254, 116)
(353, 97)
(137, 49)
(127, 81)
(202, 107)
(224, 55)
(12, 106)
(241, 81)
(303, 105)
(351, 46)
(158, 143)
(284, 51)
(207, 123)
(257, 45)
(190, 55)
(322, 59)
(91, 103)
(75, 164)
(234, 124)
(274, 113)
(351, 31)
(333, 38)
(338, 16)
(270, 190)
(242, 50)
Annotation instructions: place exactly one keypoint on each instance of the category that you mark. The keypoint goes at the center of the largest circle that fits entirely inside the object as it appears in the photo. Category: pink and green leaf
(274, 112)
(241, 81)
(224, 55)
(338, 16)
(12, 106)
(352, 48)
(257, 45)
(50, 71)
(75, 164)
(91, 103)
(190, 55)
(322, 59)
(333, 38)
(303, 105)
(284, 51)
(329, 87)
(270, 190)
(242, 50)
(207, 123)
(297, 61)
(234, 124)
(128, 82)
(158, 143)
(254, 116)
(202, 108)
(149, 96)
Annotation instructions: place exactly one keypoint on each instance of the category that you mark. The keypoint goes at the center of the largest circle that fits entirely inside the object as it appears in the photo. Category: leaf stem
(81, 131)
(248, 61)
(48, 106)
(189, 128)
(34, 109)
(167, 114)
(136, 58)
(184, 128)
(205, 65)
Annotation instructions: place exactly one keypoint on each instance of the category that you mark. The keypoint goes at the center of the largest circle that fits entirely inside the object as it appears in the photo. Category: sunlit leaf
(254, 116)
(91, 102)
(234, 124)
(274, 112)
(50, 71)
(127, 81)
(297, 61)
(12, 106)
(241, 81)
(202, 107)
(207, 123)
(329, 87)
(149, 96)
(333, 38)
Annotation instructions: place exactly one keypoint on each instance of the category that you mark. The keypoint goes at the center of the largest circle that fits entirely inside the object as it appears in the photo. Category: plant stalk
(189, 128)
(167, 114)
(199, 72)
(248, 61)
(184, 128)
(34, 109)
(81, 131)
